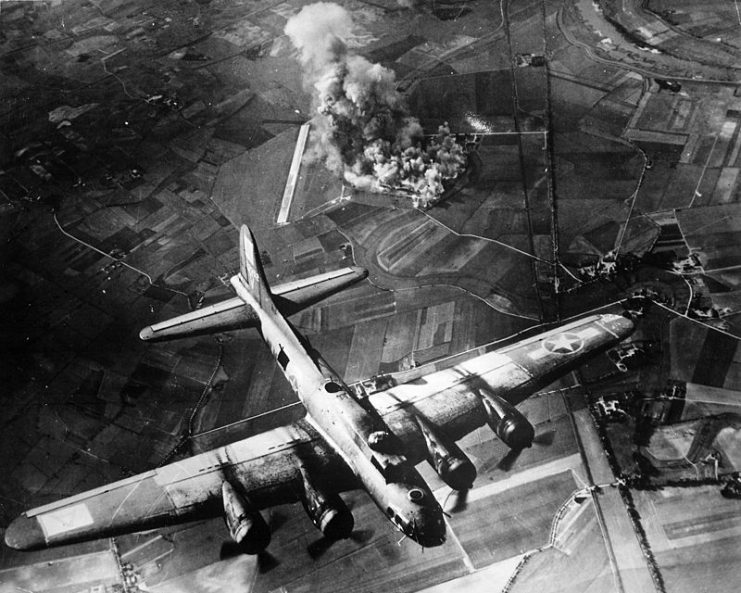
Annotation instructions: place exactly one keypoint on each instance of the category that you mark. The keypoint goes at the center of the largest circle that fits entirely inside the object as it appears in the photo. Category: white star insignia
(564, 344)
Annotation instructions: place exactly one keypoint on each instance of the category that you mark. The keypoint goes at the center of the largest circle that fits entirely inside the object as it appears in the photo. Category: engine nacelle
(326, 510)
(246, 526)
(446, 458)
(507, 422)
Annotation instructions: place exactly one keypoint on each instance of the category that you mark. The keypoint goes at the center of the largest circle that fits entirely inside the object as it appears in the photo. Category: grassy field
(577, 564)
(695, 535)
(518, 522)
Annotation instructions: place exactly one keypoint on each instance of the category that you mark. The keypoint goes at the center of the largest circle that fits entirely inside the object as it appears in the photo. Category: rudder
(250, 267)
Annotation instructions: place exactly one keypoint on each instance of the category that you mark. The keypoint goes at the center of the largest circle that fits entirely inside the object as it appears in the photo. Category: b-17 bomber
(345, 441)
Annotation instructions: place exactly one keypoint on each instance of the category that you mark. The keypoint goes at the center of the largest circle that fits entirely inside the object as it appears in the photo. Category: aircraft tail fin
(250, 268)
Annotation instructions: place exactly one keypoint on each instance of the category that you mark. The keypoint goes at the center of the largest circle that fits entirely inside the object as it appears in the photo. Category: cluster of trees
(635, 517)
(520, 565)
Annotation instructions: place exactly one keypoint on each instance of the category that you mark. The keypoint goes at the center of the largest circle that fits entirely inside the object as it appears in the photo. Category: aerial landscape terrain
(568, 157)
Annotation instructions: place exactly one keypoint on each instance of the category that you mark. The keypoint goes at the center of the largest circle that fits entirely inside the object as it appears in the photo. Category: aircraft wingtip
(361, 272)
(146, 334)
(619, 324)
(24, 533)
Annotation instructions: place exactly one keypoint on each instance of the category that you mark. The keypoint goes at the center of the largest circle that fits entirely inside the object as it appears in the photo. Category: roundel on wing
(565, 343)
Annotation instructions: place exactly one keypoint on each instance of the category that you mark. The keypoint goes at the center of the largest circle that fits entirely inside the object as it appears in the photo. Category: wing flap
(226, 315)
(298, 294)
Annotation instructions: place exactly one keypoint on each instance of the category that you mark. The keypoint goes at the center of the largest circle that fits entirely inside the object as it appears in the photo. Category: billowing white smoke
(363, 129)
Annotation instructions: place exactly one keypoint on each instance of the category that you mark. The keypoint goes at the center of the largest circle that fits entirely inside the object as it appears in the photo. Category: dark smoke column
(363, 130)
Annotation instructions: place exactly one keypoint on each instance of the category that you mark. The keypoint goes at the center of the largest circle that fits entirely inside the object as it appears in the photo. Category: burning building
(362, 127)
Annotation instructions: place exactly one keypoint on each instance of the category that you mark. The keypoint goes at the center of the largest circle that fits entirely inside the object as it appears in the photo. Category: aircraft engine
(447, 459)
(246, 526)
(507, 422)
(326, 510)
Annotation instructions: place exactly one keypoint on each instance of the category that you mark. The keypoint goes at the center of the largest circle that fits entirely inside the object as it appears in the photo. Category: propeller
(506, 463)
(545, 439)
(229, 549)
(276, 520)
(460, 501)
(265, 560)
(319, 547)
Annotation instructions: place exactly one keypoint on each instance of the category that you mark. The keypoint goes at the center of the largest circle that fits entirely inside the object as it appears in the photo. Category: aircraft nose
(429, 527)
(25, 533)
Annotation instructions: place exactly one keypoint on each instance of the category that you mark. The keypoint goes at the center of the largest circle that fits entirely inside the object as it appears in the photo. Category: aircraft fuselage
(355, 431)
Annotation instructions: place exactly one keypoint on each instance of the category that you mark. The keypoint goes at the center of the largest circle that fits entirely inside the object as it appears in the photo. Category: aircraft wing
(271, 468)
(266, 467)
(457, 400)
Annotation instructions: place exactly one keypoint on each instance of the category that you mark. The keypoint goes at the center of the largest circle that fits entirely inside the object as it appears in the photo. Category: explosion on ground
(362, 128)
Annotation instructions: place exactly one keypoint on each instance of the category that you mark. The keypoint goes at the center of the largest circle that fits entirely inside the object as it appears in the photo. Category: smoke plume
(363, 129)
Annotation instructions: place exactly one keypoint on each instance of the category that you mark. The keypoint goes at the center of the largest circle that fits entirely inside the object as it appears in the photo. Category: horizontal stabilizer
(291, 297)
(223, 316)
